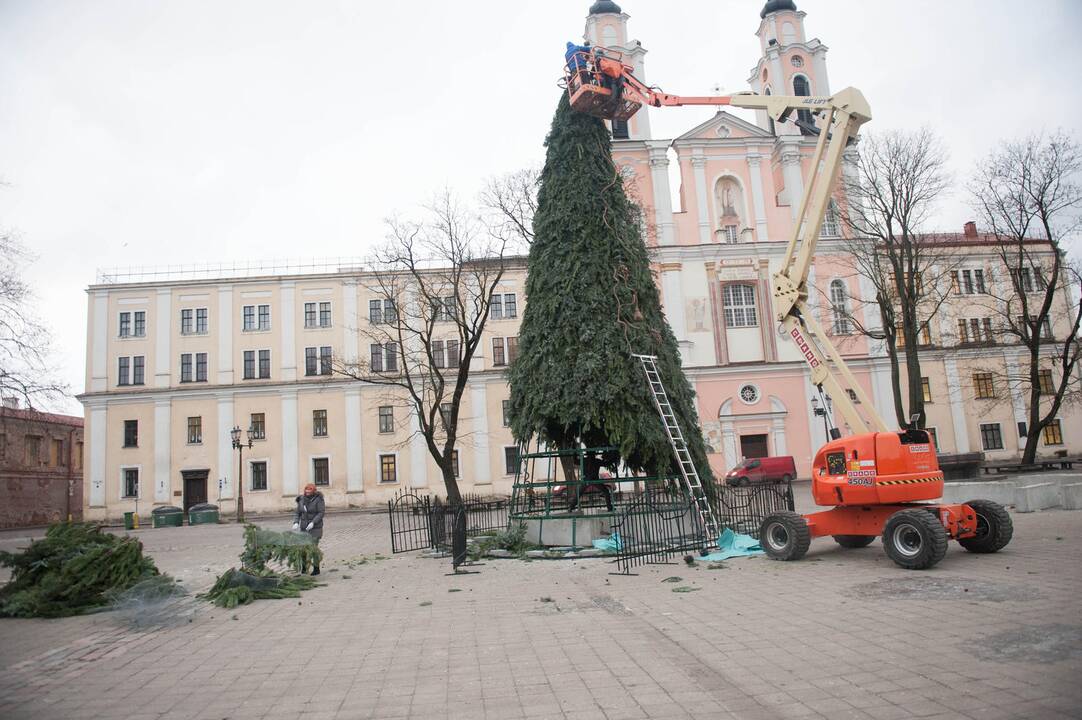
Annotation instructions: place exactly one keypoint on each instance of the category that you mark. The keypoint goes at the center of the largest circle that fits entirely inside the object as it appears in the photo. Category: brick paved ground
(842, 634)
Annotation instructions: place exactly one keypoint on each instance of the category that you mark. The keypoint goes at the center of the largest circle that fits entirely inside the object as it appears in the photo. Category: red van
(766, 469)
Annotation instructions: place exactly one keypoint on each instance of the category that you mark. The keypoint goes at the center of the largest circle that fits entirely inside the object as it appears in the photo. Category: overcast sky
(190, 131)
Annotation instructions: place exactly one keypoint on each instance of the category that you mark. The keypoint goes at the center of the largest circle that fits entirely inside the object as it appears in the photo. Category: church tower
(606, 25)
(789, 64)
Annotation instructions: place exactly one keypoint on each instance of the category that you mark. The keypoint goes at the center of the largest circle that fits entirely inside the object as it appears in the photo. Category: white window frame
(266, 461)
(841, 323)
(326, 424)
(330, 475)
(379, 468)
(188, 432)
(731, 308)
(120, 324)
(138, 485)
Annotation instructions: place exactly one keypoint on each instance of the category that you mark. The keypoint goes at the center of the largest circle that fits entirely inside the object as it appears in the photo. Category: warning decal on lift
(919, 448)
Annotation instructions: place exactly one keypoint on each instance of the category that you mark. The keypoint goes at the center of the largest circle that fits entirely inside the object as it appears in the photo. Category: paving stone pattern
(841, 634)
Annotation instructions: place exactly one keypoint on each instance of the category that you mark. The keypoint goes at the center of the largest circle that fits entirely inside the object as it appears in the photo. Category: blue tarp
(610, 544)
(732, 544)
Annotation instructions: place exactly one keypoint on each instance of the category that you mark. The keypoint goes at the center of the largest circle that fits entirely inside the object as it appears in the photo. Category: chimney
(11, 403)
(970, 229)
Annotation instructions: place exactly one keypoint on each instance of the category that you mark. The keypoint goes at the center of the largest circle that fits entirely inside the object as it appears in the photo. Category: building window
(452, 354)
(264, 364)
(507, 413)
(510, 460)
(388, 472)
(258, 474)
(972, 282)
(140, 323)
(454, 462)
(731, 234)
(125, 324)
(802, 88)
(437, 354)
(186, 367)
(122, 371)
(249, 317)
(934, 435)
(201, 321)
(1023, 279)
(926, 389)
(317, 315)
(249, 364)
(1053, 433)
(187, 324)
(1046, 329)
(321, 471)
(131, 433)
(510, 306)
(264, 317)
(257, 426)
(386, 419)
(956, 286)
(495, 308)
(131, 482)
(991, 437)
(830, 226)
(56, 454)
(839, 305)
(390, 357)
(32, 453)
(375, 362)
(984, 385)
(975, 330)
(319, 423)
(619, 129)
(445, 309)
(325, 360)
(512, 349)
(740, 306)
(200, 367)
(310, 361)
(925, 338)
(381, 311)
(1046, 385)
(138, 370)
(195, 430)
(445, 414)
(498, 357)
(324, 314)
(310, 315)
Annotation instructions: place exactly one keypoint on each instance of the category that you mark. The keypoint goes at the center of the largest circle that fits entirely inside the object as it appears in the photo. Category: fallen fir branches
(255, 581)
(75, 568)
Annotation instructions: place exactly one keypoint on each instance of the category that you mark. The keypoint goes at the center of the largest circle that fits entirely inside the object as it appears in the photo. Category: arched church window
(740, 306)
(839, 305)
(729, 204)
(830, 226)
(802, 88)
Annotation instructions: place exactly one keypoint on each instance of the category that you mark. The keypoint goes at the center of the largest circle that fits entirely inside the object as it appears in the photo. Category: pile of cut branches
(75, 568)
(255, 581)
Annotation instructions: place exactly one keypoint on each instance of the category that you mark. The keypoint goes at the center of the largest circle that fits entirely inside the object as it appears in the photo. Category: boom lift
(875, 479)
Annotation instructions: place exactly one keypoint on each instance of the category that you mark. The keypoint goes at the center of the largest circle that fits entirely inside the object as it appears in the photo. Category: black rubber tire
(785, 536)
(994, 528)
(915, 539)
(854, 541)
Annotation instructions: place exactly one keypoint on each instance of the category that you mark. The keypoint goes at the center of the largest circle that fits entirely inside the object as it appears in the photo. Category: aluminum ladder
(711, 528)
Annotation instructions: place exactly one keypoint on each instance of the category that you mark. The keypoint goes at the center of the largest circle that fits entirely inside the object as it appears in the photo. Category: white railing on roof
(224, 270)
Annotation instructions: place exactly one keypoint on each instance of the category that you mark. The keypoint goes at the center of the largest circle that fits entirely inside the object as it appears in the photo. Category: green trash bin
(131, 521)
(203, 514)
(167, 516)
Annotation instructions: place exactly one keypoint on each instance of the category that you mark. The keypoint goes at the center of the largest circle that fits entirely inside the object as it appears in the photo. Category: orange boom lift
(876, 481)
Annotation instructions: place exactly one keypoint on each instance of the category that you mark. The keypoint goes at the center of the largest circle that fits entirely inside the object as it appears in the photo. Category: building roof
(604, 6)
(31, 415)
(777, 5)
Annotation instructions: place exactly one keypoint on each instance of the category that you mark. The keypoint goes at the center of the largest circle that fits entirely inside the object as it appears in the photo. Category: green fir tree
(592, 301)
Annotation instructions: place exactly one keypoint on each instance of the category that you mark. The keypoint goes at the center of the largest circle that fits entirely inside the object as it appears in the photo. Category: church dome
(604, 6)
(773, 6)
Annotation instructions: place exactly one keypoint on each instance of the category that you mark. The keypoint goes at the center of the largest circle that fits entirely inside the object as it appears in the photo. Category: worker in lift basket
(577, 58)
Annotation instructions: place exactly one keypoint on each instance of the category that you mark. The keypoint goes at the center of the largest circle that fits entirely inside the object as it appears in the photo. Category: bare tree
(1027, 194)
(509, 202)
(25, 373)
(433, 280)
(899, 178)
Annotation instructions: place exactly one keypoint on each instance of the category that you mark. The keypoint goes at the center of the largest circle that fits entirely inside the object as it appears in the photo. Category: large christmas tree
(591, 301)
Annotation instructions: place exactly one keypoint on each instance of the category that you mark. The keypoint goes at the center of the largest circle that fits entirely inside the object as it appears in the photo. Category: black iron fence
(662, 522)
(421, 522)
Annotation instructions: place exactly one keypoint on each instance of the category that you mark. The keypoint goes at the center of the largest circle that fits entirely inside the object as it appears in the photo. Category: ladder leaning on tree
(708, 520)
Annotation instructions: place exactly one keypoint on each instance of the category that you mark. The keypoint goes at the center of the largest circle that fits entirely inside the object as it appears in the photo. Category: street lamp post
(239, 445)
(823, 412)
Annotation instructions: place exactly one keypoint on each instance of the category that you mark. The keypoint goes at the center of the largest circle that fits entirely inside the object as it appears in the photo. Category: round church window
(797, 61)
(749, 394)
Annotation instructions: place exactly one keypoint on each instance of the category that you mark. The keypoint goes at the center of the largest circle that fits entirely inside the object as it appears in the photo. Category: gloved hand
(310, 525)
(296, 526)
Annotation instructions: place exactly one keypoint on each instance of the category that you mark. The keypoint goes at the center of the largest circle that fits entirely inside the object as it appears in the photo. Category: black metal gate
(410, 516)
(420, 522)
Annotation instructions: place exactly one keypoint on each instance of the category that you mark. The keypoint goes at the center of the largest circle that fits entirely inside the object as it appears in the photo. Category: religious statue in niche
(729, 200)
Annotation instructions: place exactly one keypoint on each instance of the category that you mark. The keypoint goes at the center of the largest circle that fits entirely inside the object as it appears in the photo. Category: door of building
(195, 487)
(753, 446)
